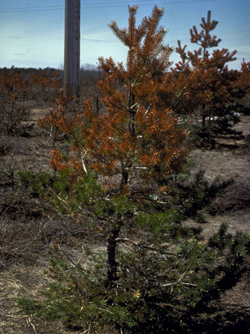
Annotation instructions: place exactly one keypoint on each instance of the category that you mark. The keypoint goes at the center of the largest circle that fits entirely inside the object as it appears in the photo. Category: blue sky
(32, 31)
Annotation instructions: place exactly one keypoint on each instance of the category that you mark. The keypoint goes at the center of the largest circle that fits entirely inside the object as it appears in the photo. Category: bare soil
(26, 237)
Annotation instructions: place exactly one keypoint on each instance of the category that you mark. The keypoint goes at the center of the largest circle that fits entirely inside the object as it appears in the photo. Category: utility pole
(72, 48)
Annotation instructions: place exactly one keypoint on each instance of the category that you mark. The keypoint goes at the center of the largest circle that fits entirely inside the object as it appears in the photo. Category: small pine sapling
(206, 85)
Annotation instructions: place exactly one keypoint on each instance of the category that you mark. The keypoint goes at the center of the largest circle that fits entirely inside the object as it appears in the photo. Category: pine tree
(211, 79)
(134, 136)
(243, 86)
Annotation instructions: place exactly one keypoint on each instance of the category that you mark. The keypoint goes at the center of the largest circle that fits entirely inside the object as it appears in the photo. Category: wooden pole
(72, 48)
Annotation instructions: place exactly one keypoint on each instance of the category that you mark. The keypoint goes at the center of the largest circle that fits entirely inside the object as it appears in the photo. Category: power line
(98, 5)
(142, 2)
(31, 9)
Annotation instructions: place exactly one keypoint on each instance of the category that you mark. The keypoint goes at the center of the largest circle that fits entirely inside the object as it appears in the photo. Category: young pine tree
(134, 137)
(206, 72)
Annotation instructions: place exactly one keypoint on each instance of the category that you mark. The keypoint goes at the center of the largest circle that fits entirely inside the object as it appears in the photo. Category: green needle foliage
(164, 273)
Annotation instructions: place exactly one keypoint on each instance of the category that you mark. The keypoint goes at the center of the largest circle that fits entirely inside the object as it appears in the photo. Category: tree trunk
(132, 113)
(124, 179)
(203, 120)
(111, 255)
